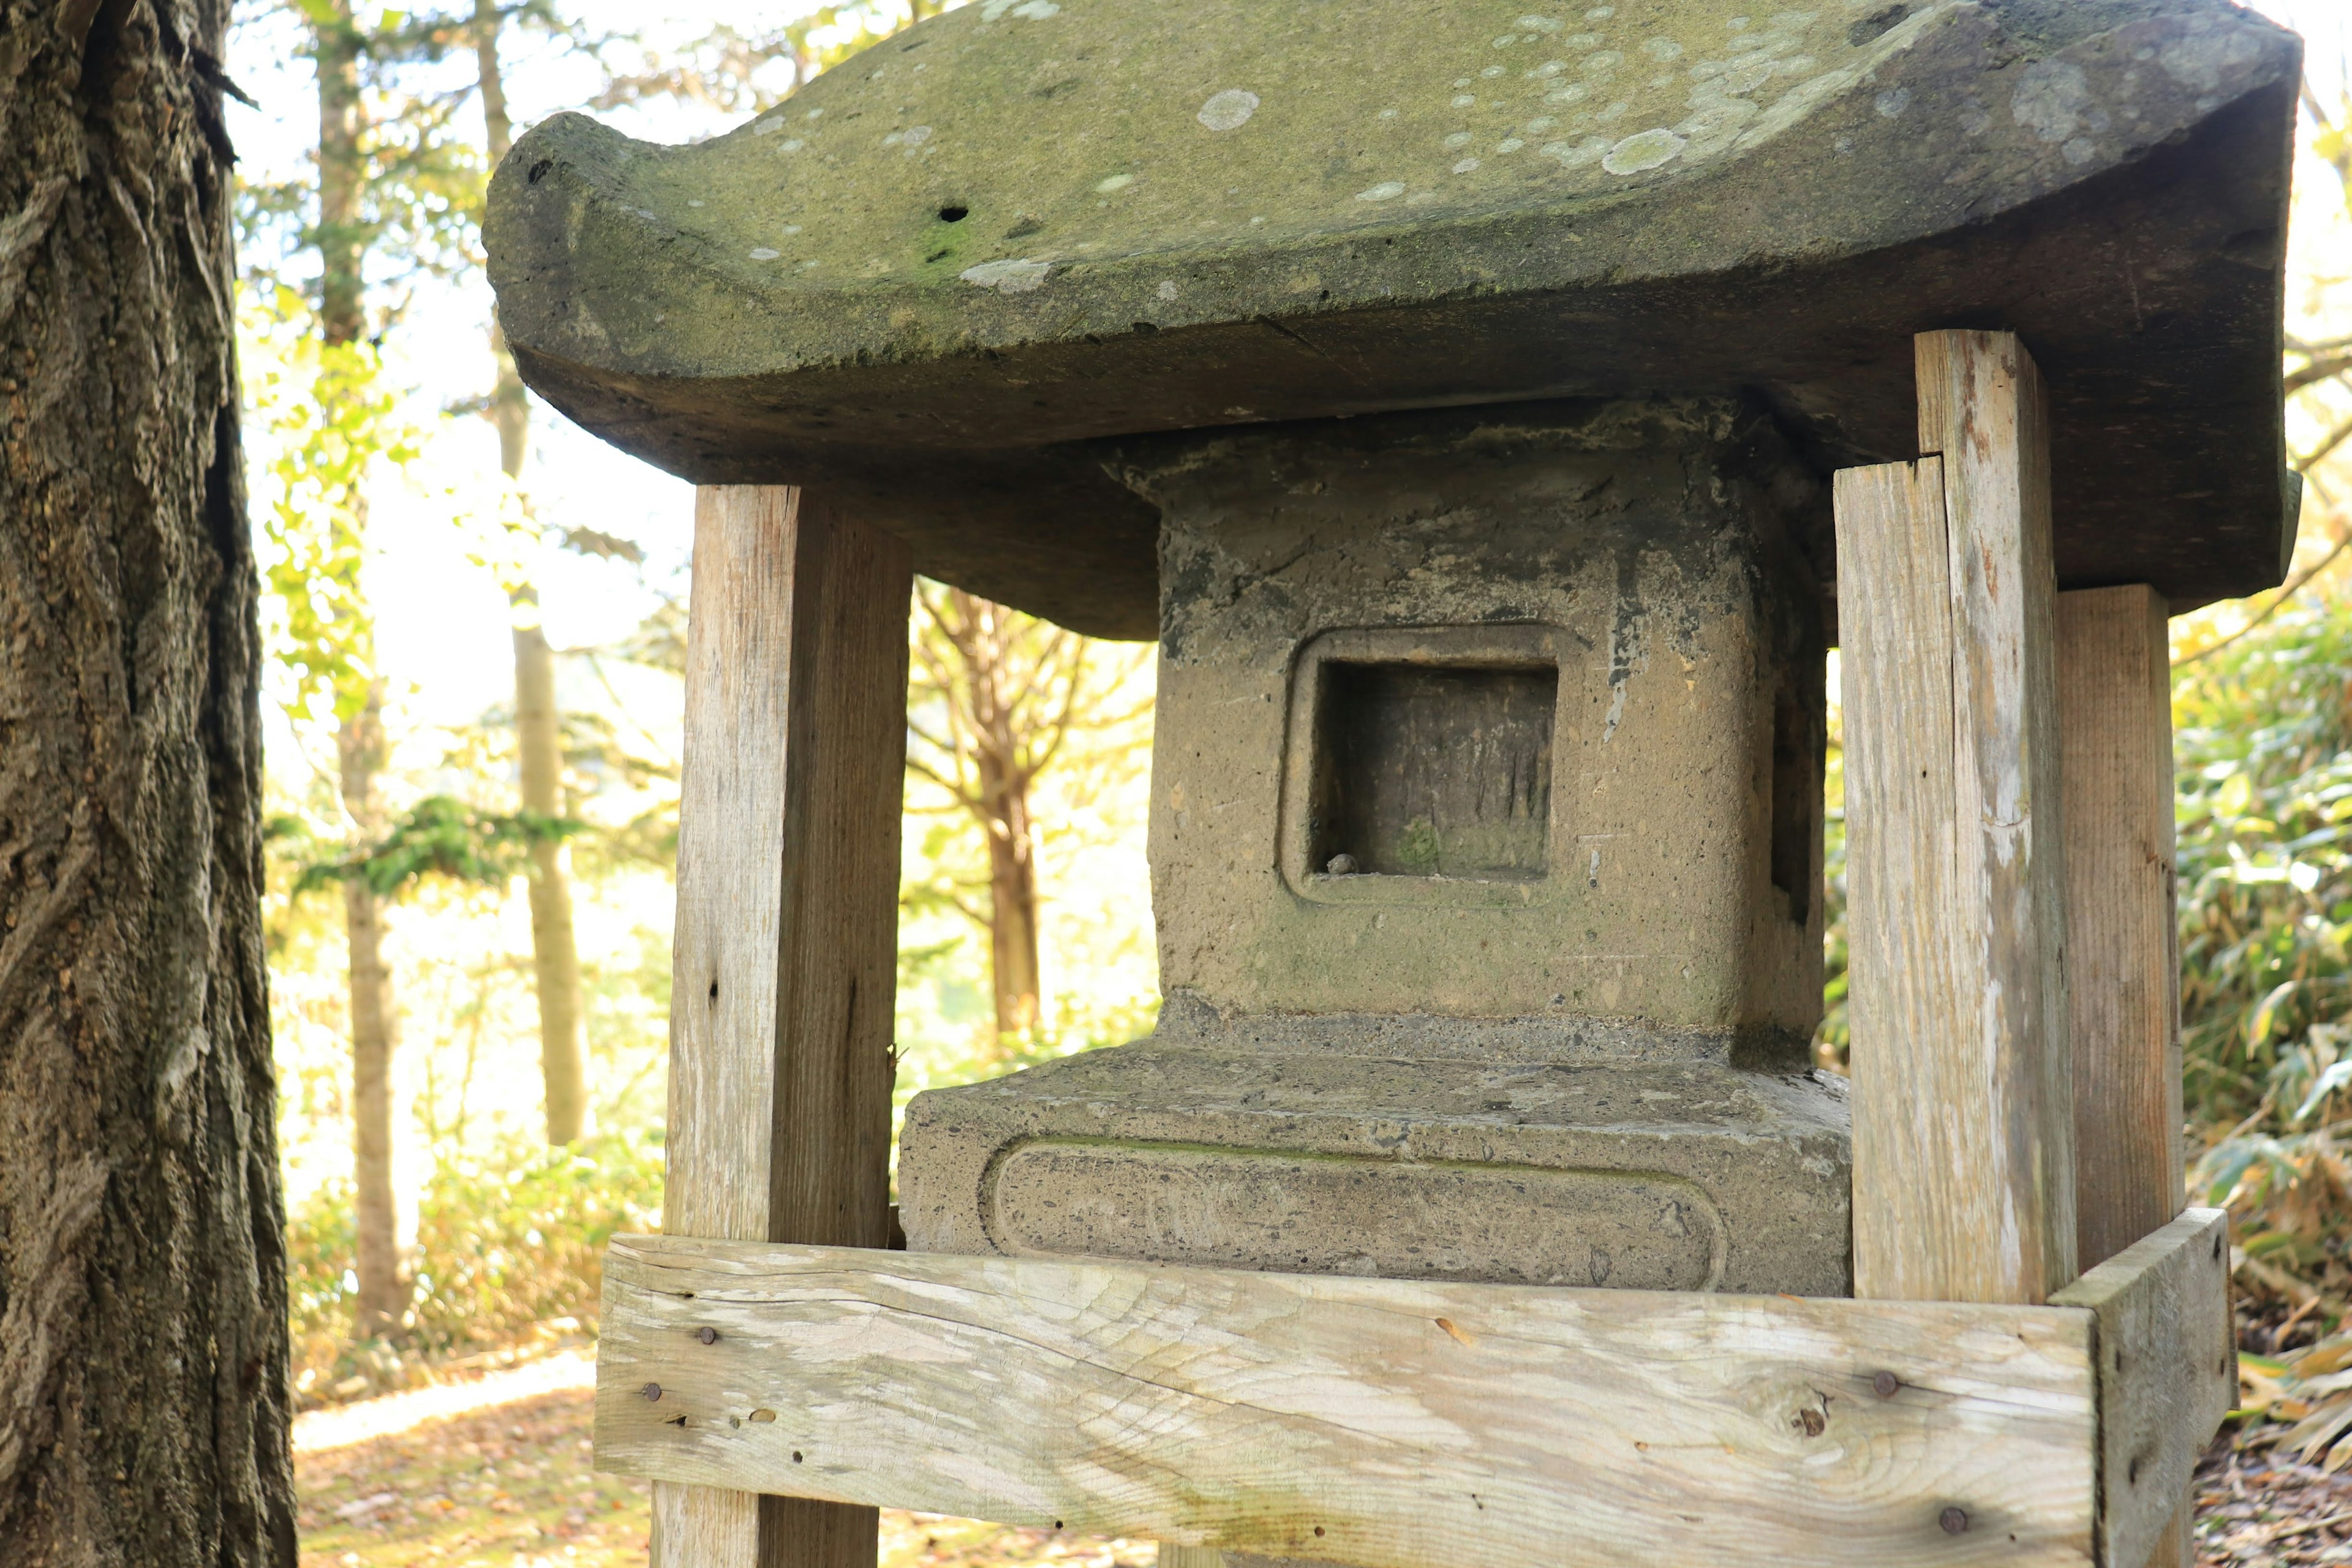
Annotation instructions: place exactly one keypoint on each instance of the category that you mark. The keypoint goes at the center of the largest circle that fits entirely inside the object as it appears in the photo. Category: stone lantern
(1451, 389)
(1486, 850)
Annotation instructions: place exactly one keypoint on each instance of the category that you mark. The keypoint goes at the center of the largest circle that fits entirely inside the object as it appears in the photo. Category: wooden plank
(1963, 1118)
(784, 954)
(2168, 1375)
(2123, 966)
(1173, 1555)
(2115, 702)
(1388, 1423)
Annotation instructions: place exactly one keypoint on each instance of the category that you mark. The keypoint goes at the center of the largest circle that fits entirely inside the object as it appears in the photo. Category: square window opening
(1428, 770)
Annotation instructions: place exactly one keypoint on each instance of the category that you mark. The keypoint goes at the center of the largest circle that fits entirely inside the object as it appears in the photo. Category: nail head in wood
(1955, 1521)
(707, 1334)
(1887, 1384)
(652, 1390)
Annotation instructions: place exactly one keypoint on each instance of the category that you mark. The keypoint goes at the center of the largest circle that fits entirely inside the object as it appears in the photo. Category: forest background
(477, 613)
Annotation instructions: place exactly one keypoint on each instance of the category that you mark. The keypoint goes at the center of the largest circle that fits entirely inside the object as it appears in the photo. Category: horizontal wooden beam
(1403, 1424)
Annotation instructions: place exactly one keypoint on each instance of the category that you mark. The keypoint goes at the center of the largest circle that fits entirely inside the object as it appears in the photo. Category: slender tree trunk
(384, 1232)
(342, 173)
(1002, 807)
(555, 953)
(538, 744)
(144, 1397)
(383, 1264)
(1011, 898)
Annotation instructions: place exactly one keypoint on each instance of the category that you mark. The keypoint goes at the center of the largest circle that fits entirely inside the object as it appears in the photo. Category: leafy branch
(442, 836)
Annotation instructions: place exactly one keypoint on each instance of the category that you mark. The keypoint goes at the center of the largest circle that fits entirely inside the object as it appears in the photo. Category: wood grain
(784, 954)
(2123, 961)
(2122, 965)
(1173, 1555)
(1393, 1424)
(1964, 1176)
(2168, 1374)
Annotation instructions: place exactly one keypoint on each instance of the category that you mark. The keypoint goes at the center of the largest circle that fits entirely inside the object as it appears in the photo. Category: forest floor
(2267, 1508)
(495, 1473)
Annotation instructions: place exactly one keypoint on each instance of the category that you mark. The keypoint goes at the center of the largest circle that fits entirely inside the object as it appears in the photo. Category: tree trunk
(555, 953)
(342, 173)
(382, 1240)
(1011, 898)
(1003, 811)
(143, 1398)
(538, 745)
(385, 1241)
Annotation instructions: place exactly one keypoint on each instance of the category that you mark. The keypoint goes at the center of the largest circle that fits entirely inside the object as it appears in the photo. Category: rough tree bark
(143, 1398)
(554, 947)
(382, 1264)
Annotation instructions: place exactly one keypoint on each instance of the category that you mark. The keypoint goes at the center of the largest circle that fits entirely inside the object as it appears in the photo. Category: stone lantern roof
(948, 277)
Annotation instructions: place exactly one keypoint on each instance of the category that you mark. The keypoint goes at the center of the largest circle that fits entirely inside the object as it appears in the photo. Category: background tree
(359, 706)
(994, 697)
(333, 426)
(732, 72)
(143, 1405)
(385, 181)
(506, 1227)
(538, 752)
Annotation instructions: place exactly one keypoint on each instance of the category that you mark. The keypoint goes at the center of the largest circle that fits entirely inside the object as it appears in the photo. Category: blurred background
(476, 615)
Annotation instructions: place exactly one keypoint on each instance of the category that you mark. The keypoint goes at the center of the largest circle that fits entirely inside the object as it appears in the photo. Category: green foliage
(508, 1239)
(1833, 1041)
(322, 418)
(2265, 795)
(441, 836)
(2263, 741)
(420, 180)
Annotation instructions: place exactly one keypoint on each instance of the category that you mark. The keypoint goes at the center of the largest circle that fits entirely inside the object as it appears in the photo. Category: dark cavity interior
(1442, 771)
(1796, 798)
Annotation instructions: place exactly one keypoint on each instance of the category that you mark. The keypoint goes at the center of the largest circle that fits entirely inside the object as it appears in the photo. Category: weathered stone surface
(1647, 558)
(1660, 1177)
(940, 275)
(1485, 846)
(1316, 1214)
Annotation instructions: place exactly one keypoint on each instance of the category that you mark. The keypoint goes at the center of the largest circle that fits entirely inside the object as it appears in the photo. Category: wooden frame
(1406, 1424)
(1986, 1404)
(1956, 918)
(2123, 956)
(785, 961)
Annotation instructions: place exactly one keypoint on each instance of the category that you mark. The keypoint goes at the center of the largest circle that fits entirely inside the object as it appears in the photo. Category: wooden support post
(2122, 965)
(785, 960)
(1963, 1116)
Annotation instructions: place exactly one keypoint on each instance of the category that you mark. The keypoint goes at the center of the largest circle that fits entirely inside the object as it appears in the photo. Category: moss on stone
(1057, 221)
